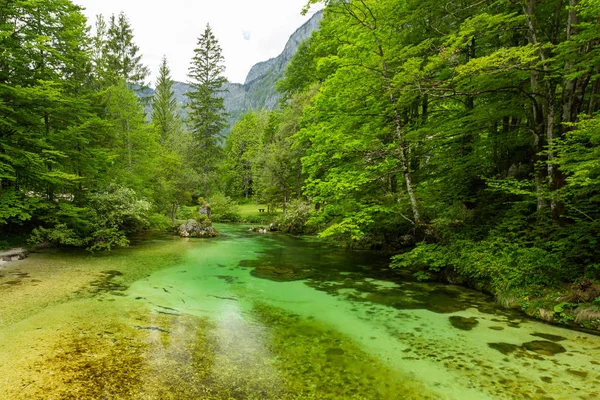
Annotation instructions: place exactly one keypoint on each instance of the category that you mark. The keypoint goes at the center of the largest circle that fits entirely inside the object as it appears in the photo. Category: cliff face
(260, 82)
(258, 91)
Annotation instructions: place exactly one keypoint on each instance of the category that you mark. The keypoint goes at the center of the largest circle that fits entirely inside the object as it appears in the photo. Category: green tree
(206, 117)
(116, 54)
(45, 109)
(242, 149)
(165, 112)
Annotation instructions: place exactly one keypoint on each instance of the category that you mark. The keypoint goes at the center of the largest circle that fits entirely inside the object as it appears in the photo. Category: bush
(159, 221)
(223, 209)
(105, 222)
(295, 218)
(498, 265)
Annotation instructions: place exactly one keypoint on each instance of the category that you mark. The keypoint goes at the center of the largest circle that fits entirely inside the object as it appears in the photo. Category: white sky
(248, 31)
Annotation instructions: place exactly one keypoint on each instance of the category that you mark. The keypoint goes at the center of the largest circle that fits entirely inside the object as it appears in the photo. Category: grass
(250, 213)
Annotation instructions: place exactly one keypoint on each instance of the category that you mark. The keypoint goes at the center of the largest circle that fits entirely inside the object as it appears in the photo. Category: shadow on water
(363, 276)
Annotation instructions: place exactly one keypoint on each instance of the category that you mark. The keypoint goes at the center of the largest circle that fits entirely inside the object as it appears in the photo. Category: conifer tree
(165, 117)
(206, 117)
(117, 55)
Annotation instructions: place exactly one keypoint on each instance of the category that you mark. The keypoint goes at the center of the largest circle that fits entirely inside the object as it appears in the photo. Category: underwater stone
(547, 336)
(278, 274)
(544, 347)
(463, 323)
(581, 374)
(504, 348)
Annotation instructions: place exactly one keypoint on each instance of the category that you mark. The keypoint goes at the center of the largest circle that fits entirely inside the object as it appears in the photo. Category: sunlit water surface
(252, 316)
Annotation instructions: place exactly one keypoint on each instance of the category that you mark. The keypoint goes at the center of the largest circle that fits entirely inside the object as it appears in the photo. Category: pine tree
(165, 117)
(206, 117)
(116, 55)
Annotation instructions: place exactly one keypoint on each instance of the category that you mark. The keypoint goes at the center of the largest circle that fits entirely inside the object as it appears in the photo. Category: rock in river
(544, 347)
(13, 254)
(463, 323)
(193, 228)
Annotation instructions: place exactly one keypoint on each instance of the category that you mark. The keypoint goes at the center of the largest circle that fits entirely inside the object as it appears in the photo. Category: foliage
(470, 145)
(499, 265)
(116, 55)
(295, 218)
(223, 209)
(112, 214)
(206, 115)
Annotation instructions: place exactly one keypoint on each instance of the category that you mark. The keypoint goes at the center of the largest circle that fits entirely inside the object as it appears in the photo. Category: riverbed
(255, 316)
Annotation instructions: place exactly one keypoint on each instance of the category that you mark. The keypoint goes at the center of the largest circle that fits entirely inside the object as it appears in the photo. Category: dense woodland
(464, 136)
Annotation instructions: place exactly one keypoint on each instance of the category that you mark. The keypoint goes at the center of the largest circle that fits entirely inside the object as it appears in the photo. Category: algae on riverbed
(187, 319)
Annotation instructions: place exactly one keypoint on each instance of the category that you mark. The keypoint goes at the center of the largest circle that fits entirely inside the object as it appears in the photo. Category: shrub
(105, 222)
(295, 218)
(223, 209)
(499, 265)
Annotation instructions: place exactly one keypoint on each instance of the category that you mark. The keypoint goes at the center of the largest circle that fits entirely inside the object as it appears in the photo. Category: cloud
(247, 35)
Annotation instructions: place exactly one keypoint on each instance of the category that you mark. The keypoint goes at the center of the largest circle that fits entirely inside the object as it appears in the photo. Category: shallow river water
(249, 316)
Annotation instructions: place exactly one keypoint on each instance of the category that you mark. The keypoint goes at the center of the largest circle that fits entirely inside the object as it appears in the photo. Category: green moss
(317, 362)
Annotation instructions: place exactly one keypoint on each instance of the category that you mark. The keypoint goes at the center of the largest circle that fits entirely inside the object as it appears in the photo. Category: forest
(461, 137)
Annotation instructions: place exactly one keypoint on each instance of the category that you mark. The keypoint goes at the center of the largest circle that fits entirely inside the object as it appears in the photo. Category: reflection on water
(262, 316)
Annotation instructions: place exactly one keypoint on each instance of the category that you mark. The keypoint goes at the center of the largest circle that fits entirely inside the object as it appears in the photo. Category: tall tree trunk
(402, 144)
(539, 123)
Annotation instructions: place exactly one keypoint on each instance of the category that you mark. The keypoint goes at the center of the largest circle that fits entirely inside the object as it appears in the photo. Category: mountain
(258, 91)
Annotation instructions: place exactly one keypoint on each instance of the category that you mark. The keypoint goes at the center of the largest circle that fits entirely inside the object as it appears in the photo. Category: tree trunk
(402, 143)
(538, 123)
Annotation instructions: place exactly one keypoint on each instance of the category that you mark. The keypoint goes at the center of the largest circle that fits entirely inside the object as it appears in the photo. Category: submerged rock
(463, 323)
(544, 347)
(278, 274)
(193, 228)
(547, 336)
(504, 348)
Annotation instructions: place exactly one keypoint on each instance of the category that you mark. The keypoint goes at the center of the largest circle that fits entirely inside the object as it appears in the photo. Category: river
(251, 316)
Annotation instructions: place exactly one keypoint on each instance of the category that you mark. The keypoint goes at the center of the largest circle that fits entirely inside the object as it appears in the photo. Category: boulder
(193, 228)
(14, 254)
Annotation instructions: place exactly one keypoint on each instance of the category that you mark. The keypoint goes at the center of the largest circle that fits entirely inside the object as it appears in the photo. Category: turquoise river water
(250, 316)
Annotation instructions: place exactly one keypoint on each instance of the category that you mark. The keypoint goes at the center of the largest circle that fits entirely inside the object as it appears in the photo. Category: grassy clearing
(250, 213)
(251, 209)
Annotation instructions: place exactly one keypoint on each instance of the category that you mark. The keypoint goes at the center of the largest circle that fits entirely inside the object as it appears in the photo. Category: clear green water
(250, 316)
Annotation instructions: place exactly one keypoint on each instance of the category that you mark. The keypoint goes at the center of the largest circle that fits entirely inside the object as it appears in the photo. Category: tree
(206, 117)
(165, 114)
(116, 54)
(242, 150)
(45, 113)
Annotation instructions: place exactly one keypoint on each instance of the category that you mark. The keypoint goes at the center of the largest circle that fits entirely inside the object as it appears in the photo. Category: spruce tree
(206, 118)
(117, 56)
(165, 117)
